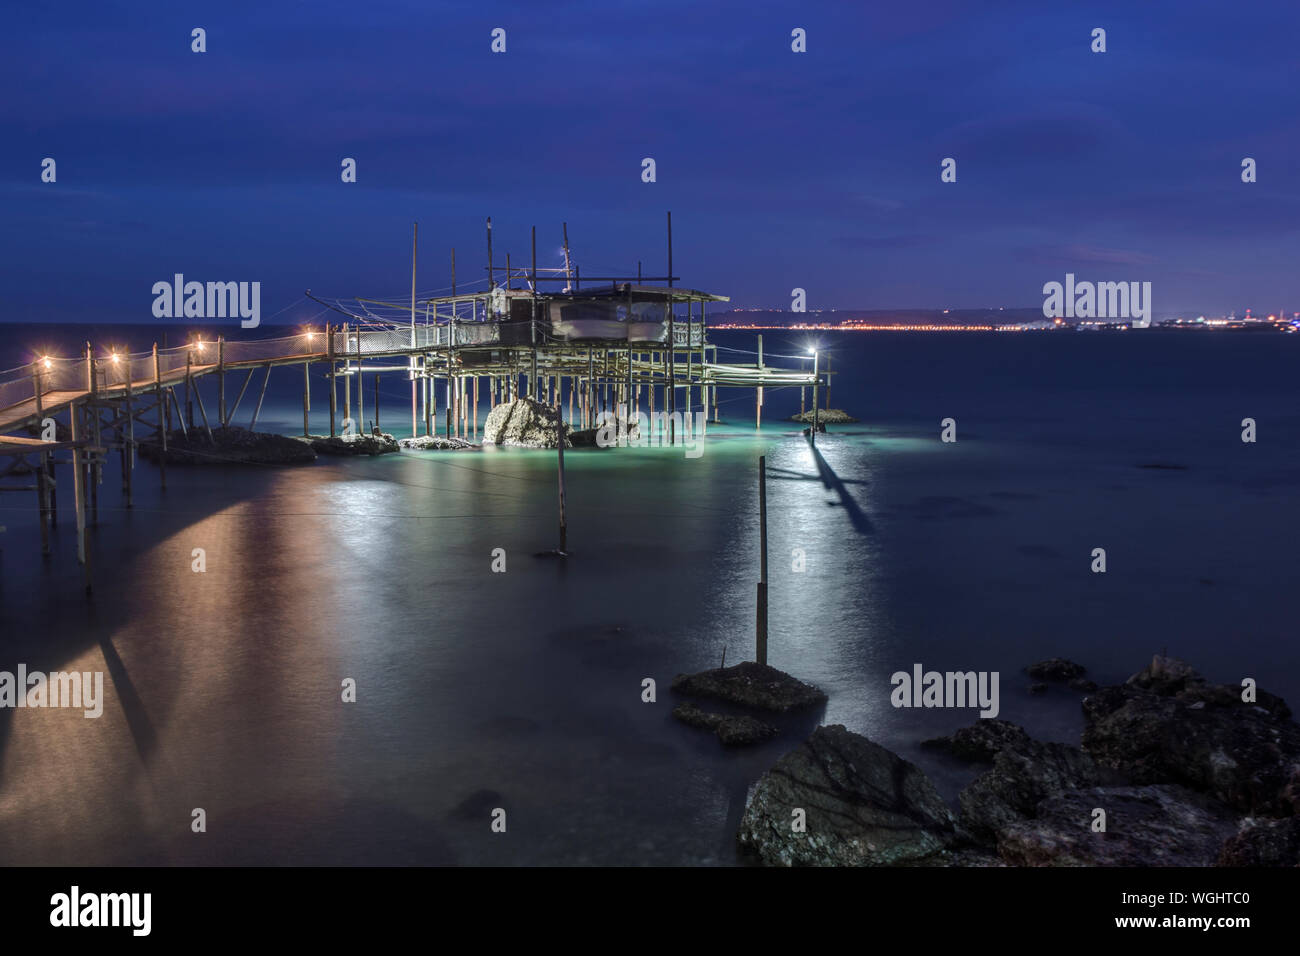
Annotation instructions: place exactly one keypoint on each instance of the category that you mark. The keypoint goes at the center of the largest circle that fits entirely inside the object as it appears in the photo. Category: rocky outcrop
(1163, 825)
(862, 806)
(981, 742)
(523, 423)
(1055, 669)
(434, 443)
(825, 416)
(1024, 773)
(751, 685)
(1166, 724)
(732, 729)
(229, 446)
(379, 444)
(1262, 842)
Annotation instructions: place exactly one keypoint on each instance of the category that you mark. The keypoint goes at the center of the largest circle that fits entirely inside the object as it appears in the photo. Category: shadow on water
(833, 482)
(137, 718)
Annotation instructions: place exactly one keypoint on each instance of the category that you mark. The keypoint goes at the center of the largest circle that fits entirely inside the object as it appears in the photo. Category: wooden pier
(600, 344)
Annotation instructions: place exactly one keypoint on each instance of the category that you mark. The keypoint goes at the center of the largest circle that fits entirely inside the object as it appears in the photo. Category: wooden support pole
(334, 392)
(559, 446)
(221, 381)
(204, 412)
(361, 392)
(760, 635)
(42, 494)
(128, 447)
(79, 492)
(252, 426)
(376, 401)
(164, 419)
(306, 397)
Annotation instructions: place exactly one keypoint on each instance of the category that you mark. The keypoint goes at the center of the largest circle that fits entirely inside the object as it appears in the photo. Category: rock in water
(982, 741)
(1264, 843)
(434, 443)
(1055, 668)
(1145, 826)
(1166, 724)
(381, 444)
(523, 423)
(864, 806)
(230, 446)
(1025, 772)
(733, 730)
(751, 685)
(826, 416)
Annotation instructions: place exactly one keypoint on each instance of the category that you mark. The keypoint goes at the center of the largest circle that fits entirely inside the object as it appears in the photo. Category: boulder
(434, 443)
(229, 446)
(1262, 842)
(1024, 773)
(751, 685)
(1055, 669)
(1164, 825)
(825, 416)
(981, 742)
(864, 806)
(379, 444)
(523, 423)
(1166, 724)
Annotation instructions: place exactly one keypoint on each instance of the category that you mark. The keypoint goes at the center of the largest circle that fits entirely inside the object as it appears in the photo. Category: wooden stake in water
(760, 636)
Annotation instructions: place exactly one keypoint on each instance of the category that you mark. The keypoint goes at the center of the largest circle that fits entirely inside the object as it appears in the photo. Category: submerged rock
(434, 443)
(864, 806)
(733, 730)
(1055, 669)
(751, 685)
(982, 741)
(523, 423)
(825, 416)
(380, 444)
(1164, 825)
(1166, 724)
(229, 446)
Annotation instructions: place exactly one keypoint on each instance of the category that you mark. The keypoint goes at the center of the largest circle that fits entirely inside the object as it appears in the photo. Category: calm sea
(523, 690)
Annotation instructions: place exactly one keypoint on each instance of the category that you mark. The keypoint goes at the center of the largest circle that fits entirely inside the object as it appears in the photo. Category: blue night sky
(818, 170)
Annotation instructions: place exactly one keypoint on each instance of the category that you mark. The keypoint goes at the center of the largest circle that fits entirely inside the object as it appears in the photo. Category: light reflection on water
(522, 689)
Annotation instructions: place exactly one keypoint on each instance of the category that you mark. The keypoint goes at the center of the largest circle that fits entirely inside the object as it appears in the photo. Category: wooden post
(164, 419)
(813, 433)
(347, 376)
(252, 426)
(559, 445)
(92, 407)
(79, 493)
(42, 497)
(415, 245)
(361, 393)
(334, 392)
(221, 380)
(128, 446)
(306, 397)
(760, 636)
(376, 401)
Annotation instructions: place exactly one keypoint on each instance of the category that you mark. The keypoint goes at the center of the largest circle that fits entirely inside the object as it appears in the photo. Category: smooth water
(523, 690)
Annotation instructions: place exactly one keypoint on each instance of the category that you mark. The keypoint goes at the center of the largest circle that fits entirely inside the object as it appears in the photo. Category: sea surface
(523, 690)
